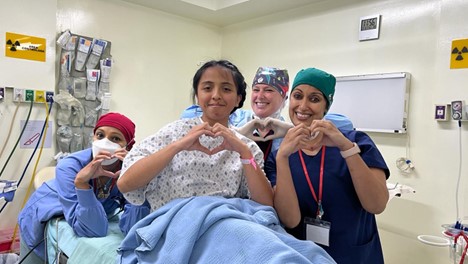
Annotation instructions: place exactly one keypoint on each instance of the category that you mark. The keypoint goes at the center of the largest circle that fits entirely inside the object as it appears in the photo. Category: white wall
(415, 37)
(156, 55)
(32, 18)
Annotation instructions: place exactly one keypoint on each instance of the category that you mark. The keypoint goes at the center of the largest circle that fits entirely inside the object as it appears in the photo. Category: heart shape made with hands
(210, 142)
(262, 129)
(111, 174)
(313, 135)
(268, 128)
(313, 141)
(262, 123)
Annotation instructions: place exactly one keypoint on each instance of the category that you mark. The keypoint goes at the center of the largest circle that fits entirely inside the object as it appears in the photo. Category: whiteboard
(374, 102)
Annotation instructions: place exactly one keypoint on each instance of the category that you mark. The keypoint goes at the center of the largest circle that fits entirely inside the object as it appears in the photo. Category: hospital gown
(190, 173)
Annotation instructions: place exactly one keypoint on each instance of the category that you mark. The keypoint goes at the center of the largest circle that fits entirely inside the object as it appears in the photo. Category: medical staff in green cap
(329, 183)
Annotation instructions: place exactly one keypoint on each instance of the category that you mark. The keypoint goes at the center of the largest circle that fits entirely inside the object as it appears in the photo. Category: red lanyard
(319, 200)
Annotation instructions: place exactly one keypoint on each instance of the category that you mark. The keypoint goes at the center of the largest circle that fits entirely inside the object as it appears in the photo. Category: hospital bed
(63, 246)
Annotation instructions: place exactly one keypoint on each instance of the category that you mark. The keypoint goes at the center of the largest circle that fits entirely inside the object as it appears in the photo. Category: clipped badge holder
(318, 230)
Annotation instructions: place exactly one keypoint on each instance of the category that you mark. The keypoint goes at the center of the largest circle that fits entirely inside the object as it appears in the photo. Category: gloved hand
(280, 128)
(249, 127)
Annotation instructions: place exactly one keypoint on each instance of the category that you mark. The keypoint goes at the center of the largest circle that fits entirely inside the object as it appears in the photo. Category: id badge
(317, 231)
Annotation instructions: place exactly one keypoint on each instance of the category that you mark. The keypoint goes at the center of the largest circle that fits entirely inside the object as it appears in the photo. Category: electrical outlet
(49, 96)
(18, 95)
(29, 95)
(39, 96)
(2, 93)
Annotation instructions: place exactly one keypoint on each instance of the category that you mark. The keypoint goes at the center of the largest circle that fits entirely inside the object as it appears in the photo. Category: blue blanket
(210, 229)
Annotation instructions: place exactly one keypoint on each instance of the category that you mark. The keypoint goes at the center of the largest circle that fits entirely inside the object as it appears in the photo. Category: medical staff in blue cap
(264, 123)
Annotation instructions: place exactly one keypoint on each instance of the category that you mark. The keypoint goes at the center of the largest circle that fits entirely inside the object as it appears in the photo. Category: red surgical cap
(120, 122)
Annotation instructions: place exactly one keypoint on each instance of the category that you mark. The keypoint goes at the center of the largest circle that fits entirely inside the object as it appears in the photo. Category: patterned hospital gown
(190, 173)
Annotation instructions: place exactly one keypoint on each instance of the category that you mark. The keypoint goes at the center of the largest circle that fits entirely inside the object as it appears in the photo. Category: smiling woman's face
(265, 100)
(306, 104)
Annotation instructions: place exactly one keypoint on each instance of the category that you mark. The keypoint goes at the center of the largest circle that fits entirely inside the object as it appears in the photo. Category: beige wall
(33, 18)
(415, 37)
(156, 55)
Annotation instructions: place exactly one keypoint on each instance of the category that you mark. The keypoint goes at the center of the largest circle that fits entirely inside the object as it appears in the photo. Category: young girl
(157, 169)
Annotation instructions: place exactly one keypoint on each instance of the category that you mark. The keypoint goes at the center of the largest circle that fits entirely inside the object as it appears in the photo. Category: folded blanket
(211, 229)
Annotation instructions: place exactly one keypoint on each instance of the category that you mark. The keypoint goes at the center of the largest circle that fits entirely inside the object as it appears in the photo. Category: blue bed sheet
(102, 250)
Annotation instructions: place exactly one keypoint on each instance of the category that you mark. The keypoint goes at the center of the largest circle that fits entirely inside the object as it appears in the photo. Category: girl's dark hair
(236, 75)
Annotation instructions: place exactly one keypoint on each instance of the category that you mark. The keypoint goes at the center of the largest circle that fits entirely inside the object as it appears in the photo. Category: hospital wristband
(250, 161)
(350, 152)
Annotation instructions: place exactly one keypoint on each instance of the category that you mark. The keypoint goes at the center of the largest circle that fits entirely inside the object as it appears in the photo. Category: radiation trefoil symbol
(13, 45)
(459, 54)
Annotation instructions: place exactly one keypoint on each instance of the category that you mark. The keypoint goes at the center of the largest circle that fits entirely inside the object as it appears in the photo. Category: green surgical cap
(319, 79)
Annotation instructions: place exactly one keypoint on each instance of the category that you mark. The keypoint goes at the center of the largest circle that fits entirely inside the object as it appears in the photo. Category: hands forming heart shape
(265, 129)
(309, 140)
(211, 139)
(211, 144)
(313, 135)
(111, 174)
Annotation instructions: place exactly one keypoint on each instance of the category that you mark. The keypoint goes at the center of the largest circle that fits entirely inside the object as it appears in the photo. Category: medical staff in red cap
(83, 190)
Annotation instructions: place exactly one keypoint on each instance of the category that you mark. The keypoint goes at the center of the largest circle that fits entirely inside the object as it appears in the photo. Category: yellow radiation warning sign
(459, 57)
(25, 47)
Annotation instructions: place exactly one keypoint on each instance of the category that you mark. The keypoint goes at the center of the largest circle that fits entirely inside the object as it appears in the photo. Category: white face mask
(107, 145)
